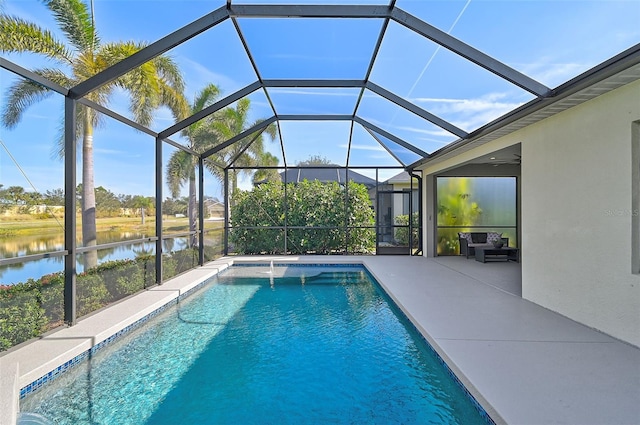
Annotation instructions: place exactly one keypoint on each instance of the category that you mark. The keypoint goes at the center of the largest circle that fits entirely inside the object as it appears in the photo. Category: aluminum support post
(159, 210)
(70, 220)
(226, 211)
(201, 211)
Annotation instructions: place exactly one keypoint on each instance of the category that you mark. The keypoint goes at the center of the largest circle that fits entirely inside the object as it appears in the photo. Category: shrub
(360, 213)
(91, 293)
(402, 233)
(52, 294)
(185, 259)
(317, 210)
(21, 316)
(169, 266)
(31, 308)
(261, 207)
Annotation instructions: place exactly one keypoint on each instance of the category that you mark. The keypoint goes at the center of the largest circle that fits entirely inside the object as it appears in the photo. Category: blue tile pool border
(447, 368)
(45, 379)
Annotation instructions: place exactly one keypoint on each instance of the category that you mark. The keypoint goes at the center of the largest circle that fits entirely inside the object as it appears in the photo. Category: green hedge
(402, 233)
(30, 308)
(310, 204)
(21, 317)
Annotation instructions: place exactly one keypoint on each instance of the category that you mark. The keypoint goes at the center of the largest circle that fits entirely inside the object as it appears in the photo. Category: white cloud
(364, 147)
(437, 132)
(551, 73)
(163, 115)
(113, 152)
(470, 114)
(198, 75)
(41, 177)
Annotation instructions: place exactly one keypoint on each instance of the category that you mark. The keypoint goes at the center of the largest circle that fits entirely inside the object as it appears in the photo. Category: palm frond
(206, 97)
(180, 168)
(200, 136)
(57, 76)
(74, 20)
(85, 65)
(57, 150)
(175, 101)
(222, 129)
(150, 85)
(20, 96)
(271, 130)
(111, 53)
(144, 93)
(214, 169)
(18, 35)
(242, 108)
(168, 71)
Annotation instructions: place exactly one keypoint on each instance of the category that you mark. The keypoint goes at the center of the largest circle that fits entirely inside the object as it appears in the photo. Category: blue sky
(549, 40)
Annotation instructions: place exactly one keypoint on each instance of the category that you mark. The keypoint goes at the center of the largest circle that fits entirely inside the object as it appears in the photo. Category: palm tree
(207, 133)
(181, 167)
(143, 203)
(153, 84)
(267, 159)
(228, 123)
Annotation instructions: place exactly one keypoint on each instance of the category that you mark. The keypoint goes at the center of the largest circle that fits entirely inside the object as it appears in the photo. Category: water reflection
(29, 245)
(15, 273)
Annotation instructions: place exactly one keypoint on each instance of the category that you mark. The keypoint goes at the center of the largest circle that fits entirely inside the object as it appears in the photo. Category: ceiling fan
(517, 160)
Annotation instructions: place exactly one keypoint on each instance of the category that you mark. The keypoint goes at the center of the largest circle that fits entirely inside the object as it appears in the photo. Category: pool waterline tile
(37, 384)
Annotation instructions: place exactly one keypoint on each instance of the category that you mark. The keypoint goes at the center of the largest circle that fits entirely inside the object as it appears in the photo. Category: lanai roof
(325, 174)
(389, 82)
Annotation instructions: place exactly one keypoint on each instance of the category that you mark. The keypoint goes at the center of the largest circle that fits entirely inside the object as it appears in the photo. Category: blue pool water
(295, 346)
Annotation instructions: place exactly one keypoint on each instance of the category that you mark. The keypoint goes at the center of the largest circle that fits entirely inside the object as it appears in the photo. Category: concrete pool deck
(523, 363)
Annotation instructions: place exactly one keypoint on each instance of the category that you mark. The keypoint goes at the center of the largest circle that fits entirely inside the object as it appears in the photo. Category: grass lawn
(27, 225)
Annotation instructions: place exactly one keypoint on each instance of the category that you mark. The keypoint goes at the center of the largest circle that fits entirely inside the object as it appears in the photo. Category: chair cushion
(494, 237)
(479, 237)
(467, 236)
(481, 245)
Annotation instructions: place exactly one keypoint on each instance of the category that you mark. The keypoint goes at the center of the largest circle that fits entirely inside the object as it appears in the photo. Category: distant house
(330, 173)
(399, 181)
(400, 185)
(325, 174)
(213, 209)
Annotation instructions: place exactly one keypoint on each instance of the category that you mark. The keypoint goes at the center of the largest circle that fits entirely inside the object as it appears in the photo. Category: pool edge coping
(451, 366)
(72, 345)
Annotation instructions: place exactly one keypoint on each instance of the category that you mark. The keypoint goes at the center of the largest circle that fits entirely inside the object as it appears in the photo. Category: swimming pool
(287, 345)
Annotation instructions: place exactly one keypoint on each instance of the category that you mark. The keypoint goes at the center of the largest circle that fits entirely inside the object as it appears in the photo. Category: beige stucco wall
(576, 212)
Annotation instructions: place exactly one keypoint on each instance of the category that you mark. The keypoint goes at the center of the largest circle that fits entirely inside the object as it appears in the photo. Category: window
(475, 204)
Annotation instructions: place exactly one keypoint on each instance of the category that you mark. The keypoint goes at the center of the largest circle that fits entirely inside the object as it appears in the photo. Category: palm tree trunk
(89, 237)
(234, 185)
(192, 209)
